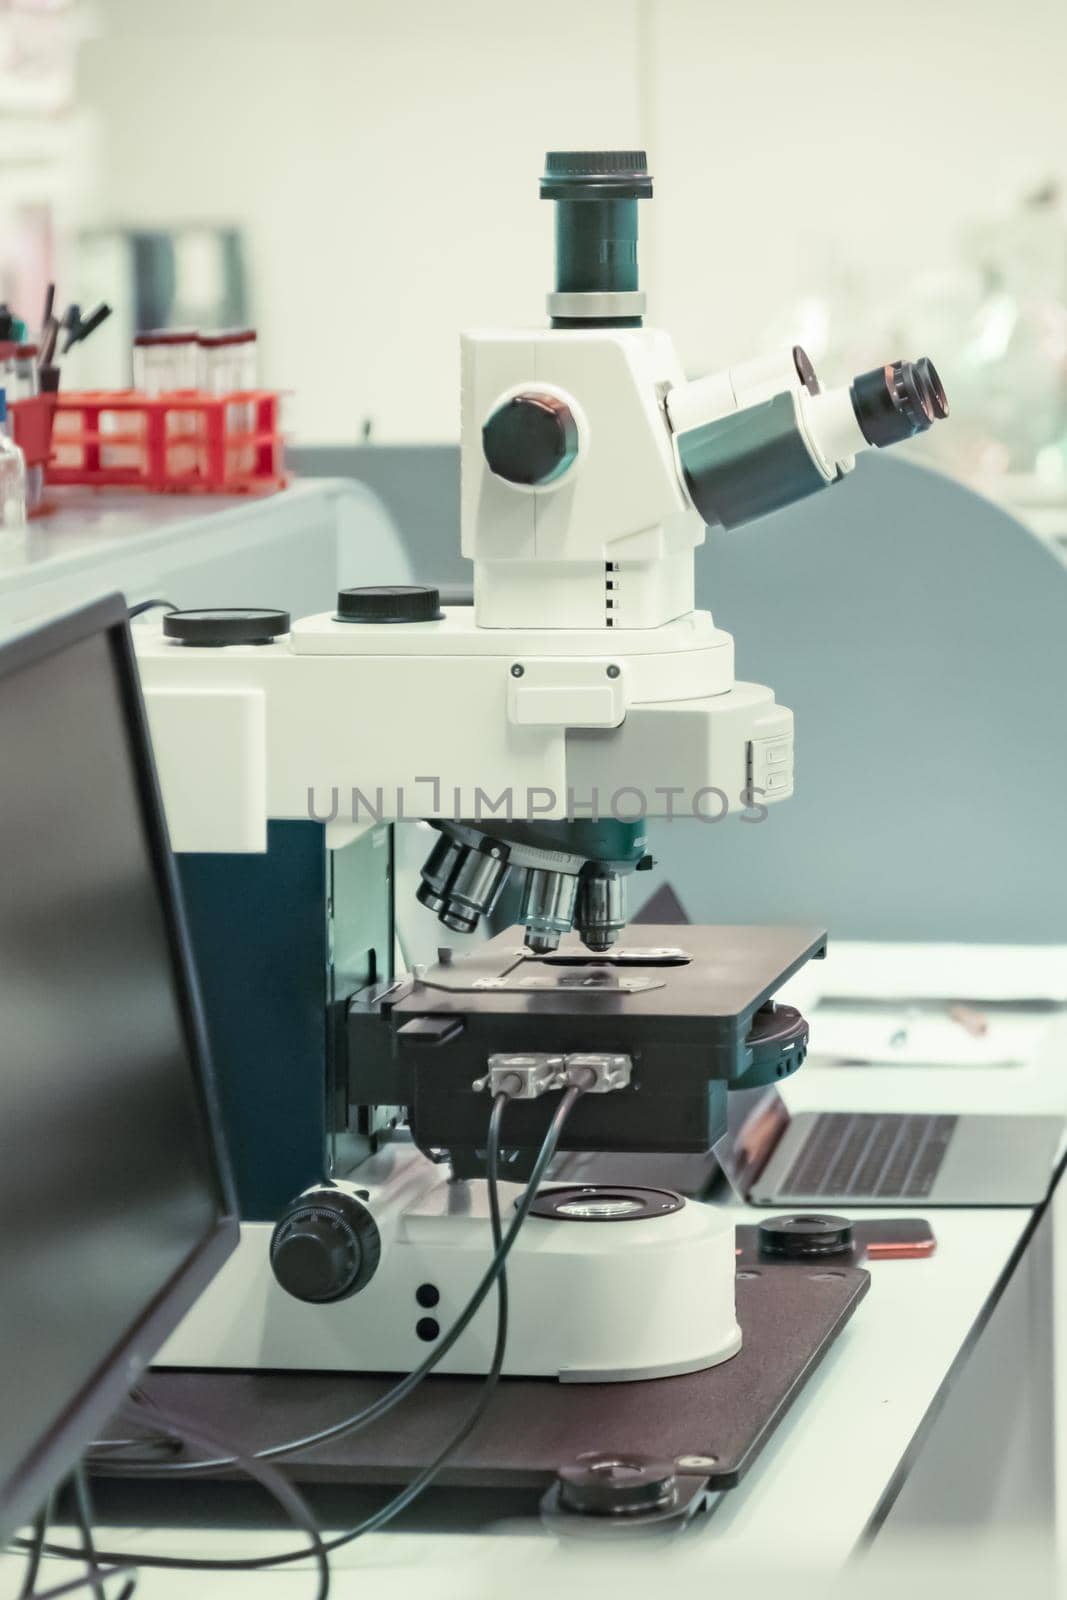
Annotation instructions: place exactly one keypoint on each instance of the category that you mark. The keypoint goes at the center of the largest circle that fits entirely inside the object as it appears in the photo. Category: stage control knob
(325, 1245)
(808, 1234)
(531, 439)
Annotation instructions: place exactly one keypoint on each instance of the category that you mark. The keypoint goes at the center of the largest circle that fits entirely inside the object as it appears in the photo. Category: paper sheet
(927, 1036)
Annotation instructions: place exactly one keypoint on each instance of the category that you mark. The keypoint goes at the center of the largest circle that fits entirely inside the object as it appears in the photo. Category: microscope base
(592, 1299)
(715, 1422)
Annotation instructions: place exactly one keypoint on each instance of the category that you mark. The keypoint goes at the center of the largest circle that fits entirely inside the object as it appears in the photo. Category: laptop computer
(818, 1158)
(772, 1158)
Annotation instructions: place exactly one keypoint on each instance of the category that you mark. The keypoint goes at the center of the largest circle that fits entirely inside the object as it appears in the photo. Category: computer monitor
(116, 1205)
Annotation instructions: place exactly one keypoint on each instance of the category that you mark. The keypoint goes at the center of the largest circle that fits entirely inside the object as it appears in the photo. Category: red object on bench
(187, 441)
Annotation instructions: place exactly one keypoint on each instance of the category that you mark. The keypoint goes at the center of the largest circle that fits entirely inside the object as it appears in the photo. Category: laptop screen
(756, 1121)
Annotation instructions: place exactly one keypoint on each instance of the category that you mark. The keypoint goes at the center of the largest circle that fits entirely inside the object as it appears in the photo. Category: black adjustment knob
(325, 1246)
(804, 1236)
(389, 602)
(226, 625)
(597, 1485)
(531, 439)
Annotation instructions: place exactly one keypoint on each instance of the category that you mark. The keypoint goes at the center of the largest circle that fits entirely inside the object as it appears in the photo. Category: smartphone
(893, 1238)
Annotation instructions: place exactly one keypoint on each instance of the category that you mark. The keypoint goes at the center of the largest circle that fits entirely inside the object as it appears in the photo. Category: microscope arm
(352, 724)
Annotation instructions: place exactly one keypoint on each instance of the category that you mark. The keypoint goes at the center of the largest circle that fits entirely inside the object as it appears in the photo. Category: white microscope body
(582, 687)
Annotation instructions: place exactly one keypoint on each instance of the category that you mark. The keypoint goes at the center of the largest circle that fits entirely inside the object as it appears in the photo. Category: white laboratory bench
(934, 1410)
(292, 549)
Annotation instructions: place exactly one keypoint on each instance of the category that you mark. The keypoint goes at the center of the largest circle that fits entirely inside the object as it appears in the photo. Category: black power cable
(409, 1493)
(91, 1580)
(97, 1576)
(83, 1508)
(277, 1485)
(36, 1549)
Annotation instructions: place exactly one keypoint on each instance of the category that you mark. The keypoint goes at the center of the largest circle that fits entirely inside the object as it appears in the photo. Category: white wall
(791, 136)
(383, 158)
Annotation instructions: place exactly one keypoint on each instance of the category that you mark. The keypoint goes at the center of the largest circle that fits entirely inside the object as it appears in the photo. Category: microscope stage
(685, 972)
(687, 1004)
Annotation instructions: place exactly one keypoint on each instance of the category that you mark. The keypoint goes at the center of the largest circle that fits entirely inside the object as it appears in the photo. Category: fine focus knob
(531, 439)
(389, 602)
(325, 1246)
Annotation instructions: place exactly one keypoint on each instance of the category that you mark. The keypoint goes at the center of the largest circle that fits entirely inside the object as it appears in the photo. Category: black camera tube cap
(390, 602)
(226, 625)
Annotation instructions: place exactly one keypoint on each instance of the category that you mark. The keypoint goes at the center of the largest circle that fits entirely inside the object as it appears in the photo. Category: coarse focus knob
(531, 439)
(325, 1245)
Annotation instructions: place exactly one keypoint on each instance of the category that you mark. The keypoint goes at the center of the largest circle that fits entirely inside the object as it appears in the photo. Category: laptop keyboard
(863, 1157)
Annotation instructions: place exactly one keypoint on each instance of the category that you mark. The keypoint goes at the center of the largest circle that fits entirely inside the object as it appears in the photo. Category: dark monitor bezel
(53, 1454)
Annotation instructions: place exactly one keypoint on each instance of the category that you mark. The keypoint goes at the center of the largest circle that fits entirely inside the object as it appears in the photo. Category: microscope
(537, 733)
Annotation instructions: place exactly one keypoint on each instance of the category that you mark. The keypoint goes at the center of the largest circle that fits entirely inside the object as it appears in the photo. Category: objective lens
(601, 913)
(437, 872)
(474, 889)
(547, 908)
(461, 882)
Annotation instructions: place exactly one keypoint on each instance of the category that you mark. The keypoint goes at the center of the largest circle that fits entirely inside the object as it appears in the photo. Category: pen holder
(31, 429)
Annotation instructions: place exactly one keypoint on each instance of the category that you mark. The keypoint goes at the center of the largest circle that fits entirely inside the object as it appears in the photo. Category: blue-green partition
(281, 940)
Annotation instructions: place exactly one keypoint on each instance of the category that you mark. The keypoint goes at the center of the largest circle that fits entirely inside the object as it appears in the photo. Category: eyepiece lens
(897, 401)
(930, 379)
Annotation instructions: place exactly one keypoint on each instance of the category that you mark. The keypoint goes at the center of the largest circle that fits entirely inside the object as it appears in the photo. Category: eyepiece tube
(596, 194)
(897, 401)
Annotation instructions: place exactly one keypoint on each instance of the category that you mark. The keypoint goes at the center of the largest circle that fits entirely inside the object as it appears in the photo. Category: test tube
(150, 359)
(247, 361)
(166, 361)
(228, 367)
